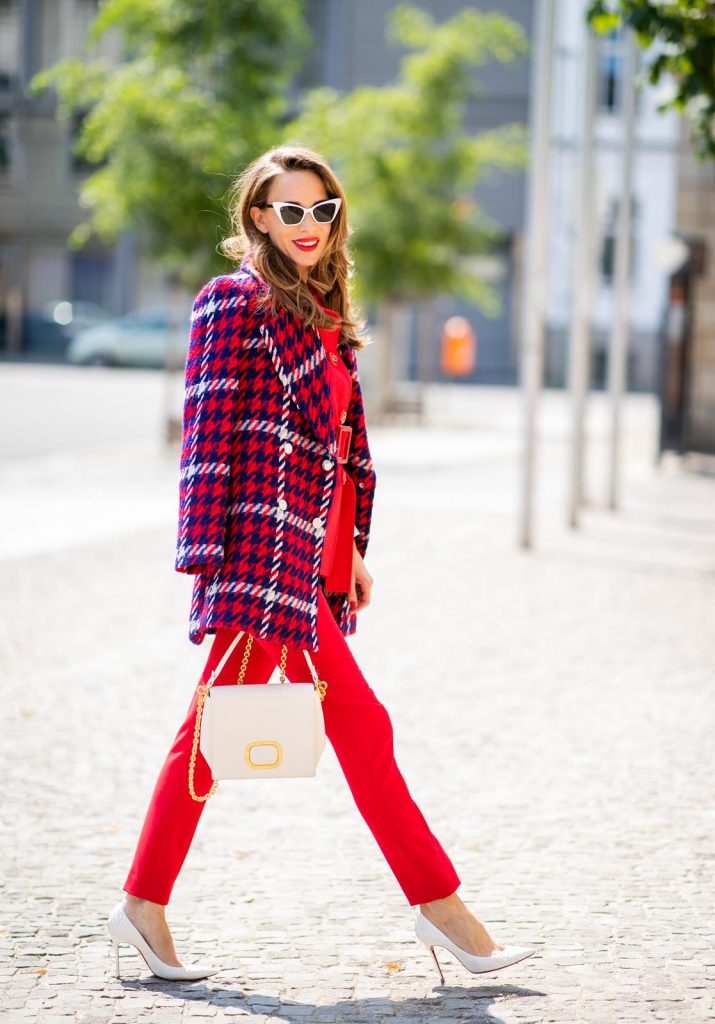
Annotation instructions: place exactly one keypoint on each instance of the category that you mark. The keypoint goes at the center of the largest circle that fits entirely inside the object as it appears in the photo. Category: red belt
(343, 440)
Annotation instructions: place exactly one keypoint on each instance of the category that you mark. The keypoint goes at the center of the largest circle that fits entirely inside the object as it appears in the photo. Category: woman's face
(306, 189)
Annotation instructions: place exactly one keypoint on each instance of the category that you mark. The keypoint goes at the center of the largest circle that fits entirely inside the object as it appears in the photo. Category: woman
(275, 494)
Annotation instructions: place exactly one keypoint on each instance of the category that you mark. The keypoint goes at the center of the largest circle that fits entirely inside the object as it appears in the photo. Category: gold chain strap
(203, 689)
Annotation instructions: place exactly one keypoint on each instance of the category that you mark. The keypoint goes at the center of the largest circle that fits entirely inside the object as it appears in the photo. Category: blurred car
(139, 338)
(76, 315)
(47, 331)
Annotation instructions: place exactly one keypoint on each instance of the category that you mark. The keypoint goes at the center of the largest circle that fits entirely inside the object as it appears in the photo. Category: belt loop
(344, 440)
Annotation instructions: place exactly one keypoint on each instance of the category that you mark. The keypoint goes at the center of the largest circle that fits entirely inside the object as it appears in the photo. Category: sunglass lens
(291, 214)
(325, 212)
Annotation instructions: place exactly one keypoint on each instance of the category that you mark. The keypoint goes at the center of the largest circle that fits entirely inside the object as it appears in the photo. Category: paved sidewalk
(553, 716)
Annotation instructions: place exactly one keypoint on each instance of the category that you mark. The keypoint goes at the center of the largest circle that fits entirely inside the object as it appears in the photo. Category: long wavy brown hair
(286, 288)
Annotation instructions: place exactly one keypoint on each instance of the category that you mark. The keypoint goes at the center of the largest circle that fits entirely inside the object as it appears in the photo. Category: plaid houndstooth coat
(258, 467)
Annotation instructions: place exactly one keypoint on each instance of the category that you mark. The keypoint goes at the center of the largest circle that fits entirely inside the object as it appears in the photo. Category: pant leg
(360, 731)
(172, 816)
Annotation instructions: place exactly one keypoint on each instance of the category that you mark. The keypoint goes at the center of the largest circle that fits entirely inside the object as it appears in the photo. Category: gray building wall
(40, 175)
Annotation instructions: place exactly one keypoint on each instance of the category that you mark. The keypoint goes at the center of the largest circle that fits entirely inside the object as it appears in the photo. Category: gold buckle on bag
(264, 743)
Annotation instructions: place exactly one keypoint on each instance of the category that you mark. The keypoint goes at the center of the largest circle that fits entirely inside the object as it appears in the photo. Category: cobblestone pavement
(553, 716)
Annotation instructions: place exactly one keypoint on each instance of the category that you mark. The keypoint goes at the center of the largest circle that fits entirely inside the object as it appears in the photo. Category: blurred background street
(552, 714)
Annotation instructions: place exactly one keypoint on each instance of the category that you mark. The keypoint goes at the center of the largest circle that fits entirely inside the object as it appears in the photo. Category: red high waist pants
(360, 730)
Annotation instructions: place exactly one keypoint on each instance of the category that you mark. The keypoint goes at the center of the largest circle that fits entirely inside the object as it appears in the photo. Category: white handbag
(258, 731)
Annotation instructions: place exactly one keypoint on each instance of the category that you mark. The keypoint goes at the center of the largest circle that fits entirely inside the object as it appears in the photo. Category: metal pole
(425, 334)
(618, 347)
(172, 417)
(579, 338)
(536, 253)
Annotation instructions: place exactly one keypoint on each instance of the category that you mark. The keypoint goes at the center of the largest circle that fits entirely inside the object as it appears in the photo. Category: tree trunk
(425, 335)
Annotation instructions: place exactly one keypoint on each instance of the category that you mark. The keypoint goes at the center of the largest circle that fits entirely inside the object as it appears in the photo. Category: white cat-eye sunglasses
(291, 214)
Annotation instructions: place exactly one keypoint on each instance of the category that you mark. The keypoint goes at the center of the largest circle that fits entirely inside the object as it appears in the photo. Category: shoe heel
(439, 966)
(432, 936)
(122, 930)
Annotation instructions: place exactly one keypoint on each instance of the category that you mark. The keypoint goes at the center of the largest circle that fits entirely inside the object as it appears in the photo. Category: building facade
(40, 175)
(39, 178)
(653, 204)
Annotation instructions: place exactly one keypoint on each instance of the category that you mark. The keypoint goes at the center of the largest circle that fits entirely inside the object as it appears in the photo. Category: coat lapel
(299, 359)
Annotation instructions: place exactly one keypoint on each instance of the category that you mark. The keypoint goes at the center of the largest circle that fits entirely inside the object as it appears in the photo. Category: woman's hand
(361, 584)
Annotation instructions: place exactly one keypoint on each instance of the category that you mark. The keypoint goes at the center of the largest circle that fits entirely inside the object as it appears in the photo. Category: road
(552, 711)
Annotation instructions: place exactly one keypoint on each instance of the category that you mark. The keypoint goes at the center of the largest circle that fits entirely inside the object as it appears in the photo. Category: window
(9, 44)
(610, 71)
(608, 249)
(5, 146)
(611, 67)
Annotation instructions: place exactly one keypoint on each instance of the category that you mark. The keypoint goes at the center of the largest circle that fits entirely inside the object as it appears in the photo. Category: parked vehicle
(76, 315)
(140, 338)
(46, 332)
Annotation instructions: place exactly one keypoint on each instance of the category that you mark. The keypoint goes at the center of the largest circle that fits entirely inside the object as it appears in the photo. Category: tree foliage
(203, 88)
(201, 91)
(685, 33)
(408, 165)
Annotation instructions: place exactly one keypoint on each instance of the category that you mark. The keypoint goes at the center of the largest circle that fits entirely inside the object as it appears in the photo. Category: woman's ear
(258, 219)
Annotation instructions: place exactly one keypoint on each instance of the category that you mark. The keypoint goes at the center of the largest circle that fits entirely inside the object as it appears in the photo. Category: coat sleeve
(359, 465)
(210, 390)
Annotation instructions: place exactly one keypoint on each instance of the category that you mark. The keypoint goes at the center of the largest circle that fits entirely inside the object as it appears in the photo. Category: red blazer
(258, 467)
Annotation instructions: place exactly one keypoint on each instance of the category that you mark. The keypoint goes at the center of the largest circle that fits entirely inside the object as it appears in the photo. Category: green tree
(684, 32)
(202, 91)
(406, 163)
